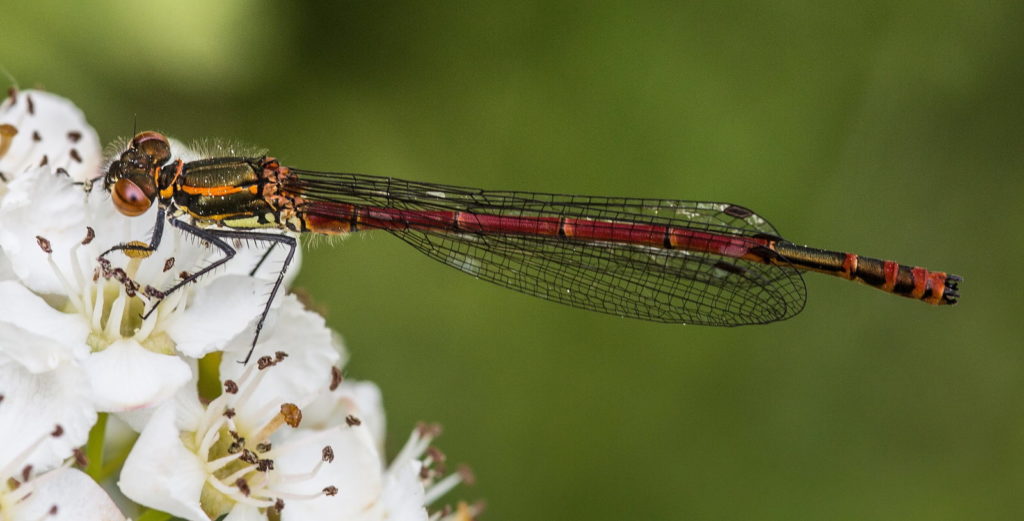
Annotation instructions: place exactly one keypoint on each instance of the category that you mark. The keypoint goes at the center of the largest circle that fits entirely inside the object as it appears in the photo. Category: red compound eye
(154, 145)
(130, 199)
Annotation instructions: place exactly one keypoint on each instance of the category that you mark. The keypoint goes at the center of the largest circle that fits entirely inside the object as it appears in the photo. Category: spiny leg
(216, 237)
(275, 239)
(139, 249)
(266, 255)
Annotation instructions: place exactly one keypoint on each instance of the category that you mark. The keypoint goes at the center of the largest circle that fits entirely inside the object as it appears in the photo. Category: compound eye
(154, 145)
(129, 198)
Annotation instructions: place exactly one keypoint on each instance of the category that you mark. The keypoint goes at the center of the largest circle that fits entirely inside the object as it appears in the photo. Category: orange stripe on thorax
(217, 190)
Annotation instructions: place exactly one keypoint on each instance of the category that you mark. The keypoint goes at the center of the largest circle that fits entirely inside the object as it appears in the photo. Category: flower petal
(125, 376)
(161, 473)
(220, 311)
(403, 497)
(74, 494)
(301, 334)
(356, 472)
(360, 399)
(34, 334)
(34, 194)
(36, 404)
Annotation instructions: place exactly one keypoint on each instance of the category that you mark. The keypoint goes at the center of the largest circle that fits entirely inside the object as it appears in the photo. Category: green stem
(116, 460)
(94, 447)
(153, 515)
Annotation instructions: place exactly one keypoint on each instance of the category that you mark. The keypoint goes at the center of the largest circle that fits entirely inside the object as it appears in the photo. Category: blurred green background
(887, 129)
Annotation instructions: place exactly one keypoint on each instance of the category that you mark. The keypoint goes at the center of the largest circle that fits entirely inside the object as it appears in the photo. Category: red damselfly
(687, 262)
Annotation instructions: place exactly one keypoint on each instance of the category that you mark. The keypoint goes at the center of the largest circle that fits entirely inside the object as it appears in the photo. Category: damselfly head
(132, 178)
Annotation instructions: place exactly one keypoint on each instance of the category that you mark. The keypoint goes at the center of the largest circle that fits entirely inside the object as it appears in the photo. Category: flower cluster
(283, 437)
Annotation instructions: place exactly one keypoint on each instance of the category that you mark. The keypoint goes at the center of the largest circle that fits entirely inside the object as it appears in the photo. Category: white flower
(51, 234)
(31, 404)
(63, 494)
(78, 335)
(414, 480)
(39, 129)
(31, 491)
(199, 462)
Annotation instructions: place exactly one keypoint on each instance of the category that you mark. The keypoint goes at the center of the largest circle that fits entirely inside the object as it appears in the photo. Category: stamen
(113, 325)
(418, 441)
(441, 488)
(71, 290)
(234, 494)
(290, 414)
(239, 475)
(221, 462)
(327, 491)
(302, 476)
(211, 436)
(19, 459)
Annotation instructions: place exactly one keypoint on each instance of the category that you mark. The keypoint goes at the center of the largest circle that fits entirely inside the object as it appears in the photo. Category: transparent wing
(619, 278)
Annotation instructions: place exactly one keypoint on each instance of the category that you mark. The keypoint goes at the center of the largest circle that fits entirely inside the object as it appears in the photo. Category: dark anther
(58, 431)
(168, 264)
(243, 487)
(331, 490)
(36, 137)
(230, 386)
(263, 447)
(436, 454)
(336, 377)
(264, 362)
(249, 457)
(74, 136)
(76, 156)
(90, 234)
(352, 421)
(429, 430)
(467, 475)
(44, 244)
(327, 454)
(80, 458)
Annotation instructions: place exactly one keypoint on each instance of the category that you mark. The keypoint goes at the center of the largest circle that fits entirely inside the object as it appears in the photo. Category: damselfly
(686, 262)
